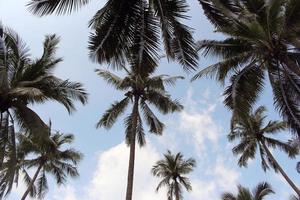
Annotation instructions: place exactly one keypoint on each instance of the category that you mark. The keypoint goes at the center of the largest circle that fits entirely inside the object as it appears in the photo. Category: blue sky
(199, 131)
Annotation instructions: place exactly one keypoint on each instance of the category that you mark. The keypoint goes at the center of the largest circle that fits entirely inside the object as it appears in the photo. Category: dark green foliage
(254, 136)
(147, 90)
(171, 170)
(119, 24)
(262, 43)
(260, 192)
(55, 6)
(25, 81)
(50, 156)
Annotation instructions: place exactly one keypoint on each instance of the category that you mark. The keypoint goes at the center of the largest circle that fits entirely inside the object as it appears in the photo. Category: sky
(199, 131)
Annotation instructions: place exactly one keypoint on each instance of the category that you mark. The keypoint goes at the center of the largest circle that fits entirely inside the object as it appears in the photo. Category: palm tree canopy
(24, 82)
(262, 41)
(260, 192)
(294, 197)
(149, 89)
(171, 170)
(116, 25)
(253, 133)
(296, 142)
(27, 81)
(48, 153)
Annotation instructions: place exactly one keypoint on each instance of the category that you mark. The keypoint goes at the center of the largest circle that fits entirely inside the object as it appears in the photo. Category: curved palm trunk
(290, 182)
(32, 182)
(132, 150)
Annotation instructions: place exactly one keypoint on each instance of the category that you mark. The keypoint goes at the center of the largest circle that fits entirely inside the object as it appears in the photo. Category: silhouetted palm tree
(261, 191)
(48, 155)
(171, 170)
(140, 89)
(24, 81)
(261, 43)
(255, 136)
(118, 21)
(294, 197)
(296, 142)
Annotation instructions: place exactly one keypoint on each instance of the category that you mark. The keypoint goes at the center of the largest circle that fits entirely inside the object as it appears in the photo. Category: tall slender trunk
(132, 150)
(285, 176)
(177, 195)
(32, 182)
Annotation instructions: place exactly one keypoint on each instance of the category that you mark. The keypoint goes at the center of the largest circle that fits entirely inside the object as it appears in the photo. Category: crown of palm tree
(25, 81)
(261, 191)
(172, 170)
(296, 143)
(117, 23)
(253, 134)
(294, 197)
(150, 90)
(262, 41)
(47, 154)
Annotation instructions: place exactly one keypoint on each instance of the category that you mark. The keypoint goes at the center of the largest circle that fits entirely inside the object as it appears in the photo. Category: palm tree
(261, 42)
(118, 21)
(261, 191)
(294, 197)
(48, 156)
(296, 142)
(140, 89)
(25, 81)
(171, 170)
(255, 136)
(298, 145)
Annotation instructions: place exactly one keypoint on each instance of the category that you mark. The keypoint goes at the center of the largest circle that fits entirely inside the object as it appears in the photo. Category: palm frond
(250, 79)
(29, 120)
(289, 149)
(285, 99)
(177, 37)
(262, 190)
(113, 36)
(111, 114)
(110, 78)
(228, 196)
(47, 7)
(153, 122)
(144, 55)
(162, 101)
(42, 185)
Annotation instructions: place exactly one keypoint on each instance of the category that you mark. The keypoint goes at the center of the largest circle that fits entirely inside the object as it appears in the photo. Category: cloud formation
(109, 180)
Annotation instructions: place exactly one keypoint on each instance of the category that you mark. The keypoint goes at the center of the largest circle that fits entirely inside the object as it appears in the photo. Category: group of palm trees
(262, 42)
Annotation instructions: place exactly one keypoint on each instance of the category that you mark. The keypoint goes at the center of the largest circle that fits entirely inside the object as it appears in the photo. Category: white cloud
(221, 178)
(203, 190)
(109, 180)
(226, 177)
(200, 127)
(65, 193)
(197, 125)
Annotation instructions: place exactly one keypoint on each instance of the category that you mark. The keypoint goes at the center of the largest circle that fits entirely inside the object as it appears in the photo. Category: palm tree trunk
(177, 196)
(3, 136)
(3, 69)
(132, 150)
(32, 182)
(290, 182)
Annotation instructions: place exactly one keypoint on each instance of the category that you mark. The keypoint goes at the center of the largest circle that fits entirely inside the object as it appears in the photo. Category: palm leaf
(47, 7)
(111, 115)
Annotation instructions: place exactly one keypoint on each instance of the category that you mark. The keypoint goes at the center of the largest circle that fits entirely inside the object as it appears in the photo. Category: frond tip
(47, 7)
